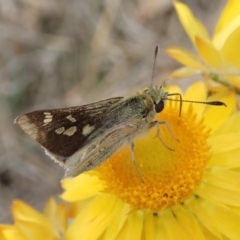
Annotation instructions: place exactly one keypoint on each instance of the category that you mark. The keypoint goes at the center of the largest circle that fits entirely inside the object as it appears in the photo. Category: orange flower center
(165, 176)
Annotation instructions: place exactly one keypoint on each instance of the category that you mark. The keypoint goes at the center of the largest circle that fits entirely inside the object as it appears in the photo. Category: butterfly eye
(159, 106)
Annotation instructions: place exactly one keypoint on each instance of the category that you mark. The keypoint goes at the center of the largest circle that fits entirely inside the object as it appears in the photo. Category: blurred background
(64, 53)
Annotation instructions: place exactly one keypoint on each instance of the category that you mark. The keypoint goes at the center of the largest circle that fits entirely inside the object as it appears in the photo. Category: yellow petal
(207, 233)
(218, 194)
(11, 232)
(191, 24)
(231, 125)
(50, 207)
(225, 143)
(215, 116)
(24, 213)
(76, 207)
(185, 57)
(196, 92)
(231, 51)
(57, 214)
(208, 52)
(174, 231)
(81, 187)
(96, 216)
(228, 159)
(149, 231)
(133, 226)
(231, 11)
(34, 230)
(184, 72)
(119, 216)
(224, 178)
(222, 36)
(226, 220)
(161, 231)
(188, 222)
(196, 206)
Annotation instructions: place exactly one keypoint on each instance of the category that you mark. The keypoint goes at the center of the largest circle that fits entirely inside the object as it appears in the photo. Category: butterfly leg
(134, 162)
(158, 123)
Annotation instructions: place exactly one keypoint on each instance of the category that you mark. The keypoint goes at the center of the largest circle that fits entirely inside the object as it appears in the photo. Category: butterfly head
(158, 96)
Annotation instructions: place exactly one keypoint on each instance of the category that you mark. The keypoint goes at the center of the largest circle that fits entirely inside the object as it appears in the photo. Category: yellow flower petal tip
(77, 188)
(31, 224)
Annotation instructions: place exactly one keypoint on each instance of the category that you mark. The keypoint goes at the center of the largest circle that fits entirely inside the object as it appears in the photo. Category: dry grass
(63, 53)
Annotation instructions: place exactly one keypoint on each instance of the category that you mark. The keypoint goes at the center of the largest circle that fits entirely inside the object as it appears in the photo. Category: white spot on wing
(48, 117)
(87, 130)
(47, 120)
(60, 130)
(47, 113)
(70, 131)
(71, 118)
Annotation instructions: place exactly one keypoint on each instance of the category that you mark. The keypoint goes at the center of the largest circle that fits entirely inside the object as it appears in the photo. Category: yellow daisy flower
(29, 224)
(190, 192)
(218, 58)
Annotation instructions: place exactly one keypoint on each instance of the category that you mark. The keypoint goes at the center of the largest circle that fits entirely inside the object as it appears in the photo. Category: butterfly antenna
(213, 103)
(154, 64)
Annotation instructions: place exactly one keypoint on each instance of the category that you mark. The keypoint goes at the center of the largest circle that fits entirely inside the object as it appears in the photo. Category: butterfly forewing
(63, 131)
